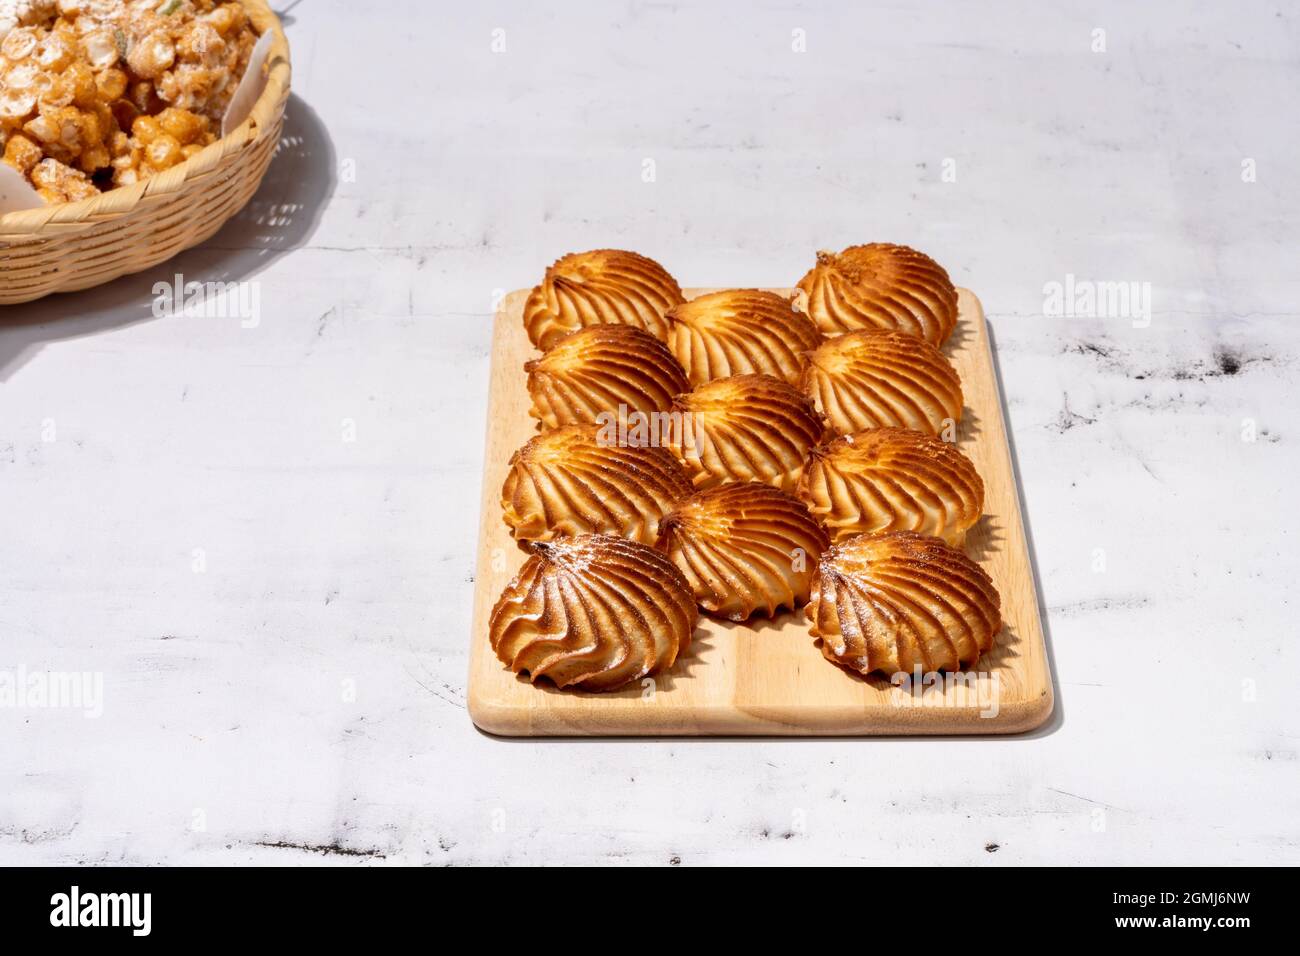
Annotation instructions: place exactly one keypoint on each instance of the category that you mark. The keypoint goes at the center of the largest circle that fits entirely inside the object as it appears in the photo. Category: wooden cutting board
(768, 677)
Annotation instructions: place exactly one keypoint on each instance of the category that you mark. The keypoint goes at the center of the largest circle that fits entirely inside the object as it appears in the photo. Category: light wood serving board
(767, 677)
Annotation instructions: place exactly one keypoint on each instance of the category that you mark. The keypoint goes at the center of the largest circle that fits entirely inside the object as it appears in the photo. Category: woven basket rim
(63, 218)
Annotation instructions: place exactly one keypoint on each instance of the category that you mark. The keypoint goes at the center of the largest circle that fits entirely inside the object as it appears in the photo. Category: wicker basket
(76, 245)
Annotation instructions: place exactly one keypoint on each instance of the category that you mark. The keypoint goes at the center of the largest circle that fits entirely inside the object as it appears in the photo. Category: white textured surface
(330, 561)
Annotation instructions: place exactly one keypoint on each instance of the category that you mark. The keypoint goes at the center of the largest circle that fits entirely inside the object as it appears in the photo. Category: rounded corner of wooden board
(498, 718)
(1024, 716)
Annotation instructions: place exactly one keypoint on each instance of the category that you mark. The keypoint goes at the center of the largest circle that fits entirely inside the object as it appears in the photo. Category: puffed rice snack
(102, 93)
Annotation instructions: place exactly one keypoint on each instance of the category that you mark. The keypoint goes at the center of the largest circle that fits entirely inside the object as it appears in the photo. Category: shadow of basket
(282, 216)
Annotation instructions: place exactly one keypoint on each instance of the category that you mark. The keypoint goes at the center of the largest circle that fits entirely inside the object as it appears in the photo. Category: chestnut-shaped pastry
(596, 288)
(594, 612)
(738, 332)
(898, 601)
(604, 373)
(743, 547)
(892, 479)
(871, 379)
(745, 428)
(880, 286)
(569, 481)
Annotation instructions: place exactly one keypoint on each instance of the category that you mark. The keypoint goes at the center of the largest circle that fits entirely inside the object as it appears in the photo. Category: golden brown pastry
(892, 479)
(898, 601)
(738, 332)
(871, 379)
(880, 286)
(743, 547)
(745, 428)
(568, 482)
(606, 372)
(596, 288)
(593, 611)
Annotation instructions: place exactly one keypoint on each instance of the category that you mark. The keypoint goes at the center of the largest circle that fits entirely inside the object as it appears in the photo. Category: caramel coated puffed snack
(102, 93)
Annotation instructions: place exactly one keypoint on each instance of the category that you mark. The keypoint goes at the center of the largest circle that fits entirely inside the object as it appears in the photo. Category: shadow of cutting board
(768, 677)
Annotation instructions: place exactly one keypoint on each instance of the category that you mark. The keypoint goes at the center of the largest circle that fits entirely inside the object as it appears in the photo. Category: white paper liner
(16, 192)
(250, 86)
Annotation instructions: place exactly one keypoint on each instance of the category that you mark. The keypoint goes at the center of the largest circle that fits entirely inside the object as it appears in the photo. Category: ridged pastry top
(743, 547)
(880, 286)
(593, 611)
(872, 379)
(569, 482)
(596, 288)
(604, 370)
(892, 479)
(894, 602)
(746, 428)
(738, 332)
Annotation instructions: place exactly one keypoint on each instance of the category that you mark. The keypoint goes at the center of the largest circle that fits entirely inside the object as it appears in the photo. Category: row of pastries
(741, 454)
